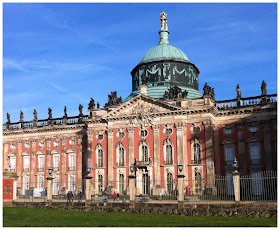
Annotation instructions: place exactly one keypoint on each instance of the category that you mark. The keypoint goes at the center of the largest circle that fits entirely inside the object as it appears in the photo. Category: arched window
(168, 150)
(121, 183)
(196, 153)
(169, 183)
(197, 181)
(144, 153)
(99, 155)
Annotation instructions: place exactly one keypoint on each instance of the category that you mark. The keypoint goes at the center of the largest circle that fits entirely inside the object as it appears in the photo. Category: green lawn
(32, 217)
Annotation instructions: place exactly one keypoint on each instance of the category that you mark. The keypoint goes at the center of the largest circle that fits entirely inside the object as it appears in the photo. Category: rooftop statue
(50, 113)
(98, 105)
(65, 111)
(263, 88)
(21, 116)
(238, 91)
(91, 104)
(163, 21)
(8, 118)
(35, 115)
(81, 110)
(175, 92)
(113, 99)
(208, 91)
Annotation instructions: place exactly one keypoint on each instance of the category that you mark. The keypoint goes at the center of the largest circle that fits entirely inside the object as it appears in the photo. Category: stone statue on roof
(238, 91)
(21, 116)
(263, 88)
(65, 111)
(163, 21)
(35, 114)
(81, 110)
(8, 118)
(50, 113)
(91, 104)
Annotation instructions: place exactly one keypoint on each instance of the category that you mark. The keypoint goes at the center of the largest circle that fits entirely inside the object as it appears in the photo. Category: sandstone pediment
(141, 105)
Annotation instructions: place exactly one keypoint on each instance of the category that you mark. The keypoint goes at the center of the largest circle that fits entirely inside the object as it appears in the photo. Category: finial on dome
(163, 21)
(163, 33)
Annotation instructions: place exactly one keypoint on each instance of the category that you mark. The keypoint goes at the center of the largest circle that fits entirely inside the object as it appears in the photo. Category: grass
(34, 217)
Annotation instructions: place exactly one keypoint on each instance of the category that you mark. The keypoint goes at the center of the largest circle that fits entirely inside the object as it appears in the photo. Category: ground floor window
(100, 183)
(169, 183)
(145, 184)
(197, 182)
(121, 184)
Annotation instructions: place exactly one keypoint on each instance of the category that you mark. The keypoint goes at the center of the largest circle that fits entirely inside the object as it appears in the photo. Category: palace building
(165, 122)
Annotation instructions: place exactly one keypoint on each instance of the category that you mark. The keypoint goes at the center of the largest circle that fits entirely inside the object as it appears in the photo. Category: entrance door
(145, 184)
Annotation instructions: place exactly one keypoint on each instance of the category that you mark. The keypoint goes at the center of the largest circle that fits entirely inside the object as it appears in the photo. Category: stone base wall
(249, 209)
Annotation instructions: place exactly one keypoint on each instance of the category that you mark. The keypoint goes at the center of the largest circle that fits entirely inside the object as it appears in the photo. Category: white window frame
(166, 143)
(72, 162)
(195, 141)
(120, 161)
(255, 156)
(56, 163)
(41, 163)
(13, 160)
(40, 182)
(72, 182)
(25, 164)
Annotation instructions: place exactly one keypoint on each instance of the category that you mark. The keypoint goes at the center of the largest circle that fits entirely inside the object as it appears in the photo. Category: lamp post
(131, 179)
(50, 171)
(180, 168)
(235, 164)
(236, 180)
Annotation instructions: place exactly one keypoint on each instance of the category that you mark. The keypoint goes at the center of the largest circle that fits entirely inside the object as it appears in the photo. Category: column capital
(19, 143)
(89, 132)
(63, 140)
(6, 144)
(130, 130)
(240, 126)
(34, 141)
(180, 126)
(155, 128)
(110, 132)
(266, 124)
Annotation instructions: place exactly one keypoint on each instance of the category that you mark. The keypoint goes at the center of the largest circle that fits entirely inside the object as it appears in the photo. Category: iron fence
(221, 189)
(259, 186)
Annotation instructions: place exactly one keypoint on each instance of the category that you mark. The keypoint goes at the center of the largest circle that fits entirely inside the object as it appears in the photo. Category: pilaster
(33, 163)
(110, 157)
(130, 145)
(267, 144)
(63, 162)
(19, 163)
(6, 153)
(217, 150)
(241, 148)
(79, 163)
(48, 153)
(156, 158)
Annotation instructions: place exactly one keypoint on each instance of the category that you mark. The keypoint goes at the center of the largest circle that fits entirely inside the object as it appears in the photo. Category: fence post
(180, 187)
(88, 188)
(49, 188)
(236, 184)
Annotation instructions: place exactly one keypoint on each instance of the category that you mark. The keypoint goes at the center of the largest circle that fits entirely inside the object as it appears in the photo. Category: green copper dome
(164, 52)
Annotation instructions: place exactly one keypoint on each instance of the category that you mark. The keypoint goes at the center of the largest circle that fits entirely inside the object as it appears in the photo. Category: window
(229, 155)
(121, 184)
(55, 185)
(230, 186)
(40, 164)
(255, 153)
(257, 183)
(121, 156)
(144, 149)
(13, 163)
(56, 163)
(25, 185)
(228, 131)
(72, 183)
(40, 182)
(197, 183)
(145, 184)
(26, 164)
(168, 157)
(100, 158)
(169, 183)
(71, 162)
(196, 154)
(100, 183)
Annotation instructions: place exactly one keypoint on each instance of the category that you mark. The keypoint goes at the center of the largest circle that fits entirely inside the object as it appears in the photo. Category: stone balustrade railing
(248, 101)
(45, 122)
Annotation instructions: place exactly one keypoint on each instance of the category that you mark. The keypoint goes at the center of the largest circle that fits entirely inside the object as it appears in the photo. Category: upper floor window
(40, 182)
(169, 183)
(144, 149)
(196, 153)
(71, 163)
(100, 158)
(26, 162)
(121, 183)
(40, 164)
(229, 152)
(168, 156)
(100, 183)
(121, 156)
(13, 163)
(56, 163)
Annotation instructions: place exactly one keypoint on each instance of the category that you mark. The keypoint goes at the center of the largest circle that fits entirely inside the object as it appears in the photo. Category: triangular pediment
(141, 105)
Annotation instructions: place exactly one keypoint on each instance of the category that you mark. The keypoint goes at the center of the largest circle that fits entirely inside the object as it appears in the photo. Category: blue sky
(64, 54)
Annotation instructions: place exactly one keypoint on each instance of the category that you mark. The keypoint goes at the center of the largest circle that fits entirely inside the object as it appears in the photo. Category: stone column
(157, 186)
(33, 164)
(48, 153)
(19, 165)
(130, 145)
(236, 184)
(80, 169)
(110, 159)
(49, 188)
(217, 150)
(210, 172)
(90, 151)
(131, 179)
(241, 148)
(267, 145)
(180, 187)
(182, 146)
(63, 162)
(88, 188)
